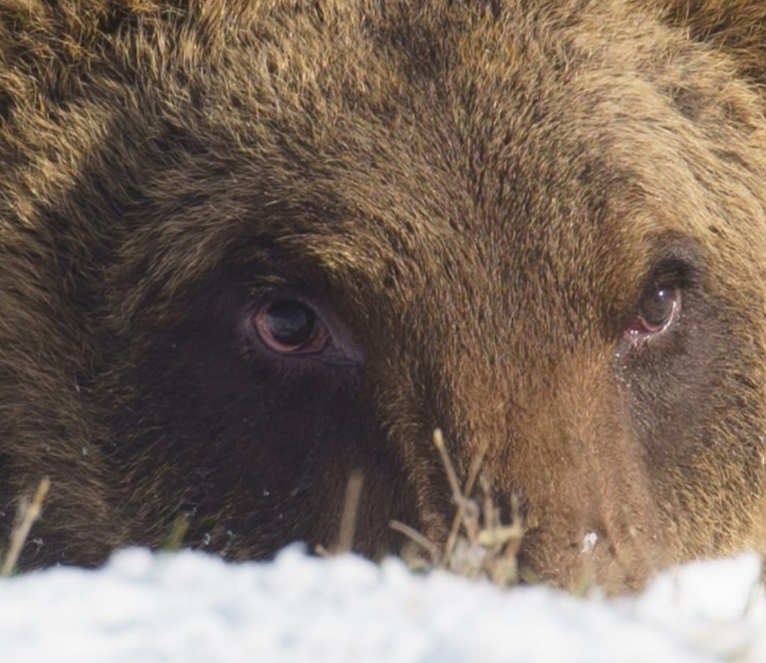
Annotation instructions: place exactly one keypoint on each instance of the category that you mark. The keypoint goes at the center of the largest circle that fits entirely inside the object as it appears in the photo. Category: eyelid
(672, 273)
(673, 258)
(267, 288)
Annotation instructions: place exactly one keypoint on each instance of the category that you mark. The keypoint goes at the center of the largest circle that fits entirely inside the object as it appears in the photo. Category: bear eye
(289, 326)
(658, 310)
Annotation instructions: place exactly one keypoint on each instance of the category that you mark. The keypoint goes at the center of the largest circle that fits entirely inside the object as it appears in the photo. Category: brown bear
(249, 247)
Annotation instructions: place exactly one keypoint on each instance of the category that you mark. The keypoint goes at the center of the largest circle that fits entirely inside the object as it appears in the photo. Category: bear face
(250, 249)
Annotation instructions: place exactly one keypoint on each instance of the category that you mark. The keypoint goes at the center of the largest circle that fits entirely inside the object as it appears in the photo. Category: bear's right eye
(658, 306)
(290, 327)
(658, 310)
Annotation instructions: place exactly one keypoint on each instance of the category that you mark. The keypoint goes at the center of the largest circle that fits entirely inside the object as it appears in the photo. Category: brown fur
(476, 195)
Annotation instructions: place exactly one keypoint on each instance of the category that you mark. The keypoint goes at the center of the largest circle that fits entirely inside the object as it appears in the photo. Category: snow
(191, 608)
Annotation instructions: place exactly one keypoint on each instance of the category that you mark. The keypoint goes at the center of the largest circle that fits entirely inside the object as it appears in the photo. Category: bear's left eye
(289, 326)
(658, 310)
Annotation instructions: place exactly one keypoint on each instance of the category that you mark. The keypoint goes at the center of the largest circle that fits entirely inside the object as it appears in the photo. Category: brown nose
(558, 459)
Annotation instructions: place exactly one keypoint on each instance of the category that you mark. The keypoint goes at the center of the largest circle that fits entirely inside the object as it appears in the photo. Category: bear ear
(737, 27)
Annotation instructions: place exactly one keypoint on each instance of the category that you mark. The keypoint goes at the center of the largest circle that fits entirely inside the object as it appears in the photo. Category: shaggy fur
(473, 196)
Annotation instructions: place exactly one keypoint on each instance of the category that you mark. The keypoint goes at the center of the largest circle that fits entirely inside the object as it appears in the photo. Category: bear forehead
(483, 133)
(420, 140)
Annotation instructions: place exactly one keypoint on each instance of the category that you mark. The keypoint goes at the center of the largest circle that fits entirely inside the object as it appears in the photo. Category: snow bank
(189, 607)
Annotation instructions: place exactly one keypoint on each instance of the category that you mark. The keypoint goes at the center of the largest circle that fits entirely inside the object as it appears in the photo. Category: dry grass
(177, 534)
(350, 508)
(28, 513)
(479, 543)
(347, 528)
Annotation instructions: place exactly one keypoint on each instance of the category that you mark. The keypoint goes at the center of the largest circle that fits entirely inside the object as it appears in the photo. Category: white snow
(189, 607)
(589, 542)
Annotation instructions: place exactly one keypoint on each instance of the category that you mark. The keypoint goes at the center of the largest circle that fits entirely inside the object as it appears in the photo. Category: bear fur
(475, 199)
